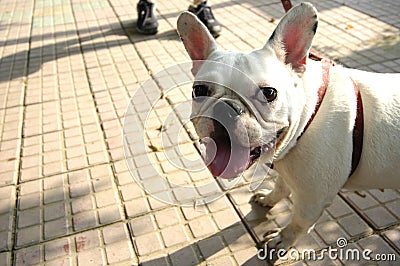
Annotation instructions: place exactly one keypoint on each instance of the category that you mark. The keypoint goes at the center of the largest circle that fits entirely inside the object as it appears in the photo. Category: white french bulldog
(275, 116)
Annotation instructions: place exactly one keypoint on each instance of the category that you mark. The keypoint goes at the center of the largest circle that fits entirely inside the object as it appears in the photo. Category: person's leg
(204, 13)
(147, 20)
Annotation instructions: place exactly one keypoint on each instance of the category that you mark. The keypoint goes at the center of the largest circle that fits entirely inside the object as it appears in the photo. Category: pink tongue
(227, 161)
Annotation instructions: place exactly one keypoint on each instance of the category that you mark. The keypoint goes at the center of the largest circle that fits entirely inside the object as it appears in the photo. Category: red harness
(358, 129)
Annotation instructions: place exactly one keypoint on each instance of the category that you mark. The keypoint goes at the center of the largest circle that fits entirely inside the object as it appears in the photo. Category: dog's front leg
(268, 198)
(306, 211)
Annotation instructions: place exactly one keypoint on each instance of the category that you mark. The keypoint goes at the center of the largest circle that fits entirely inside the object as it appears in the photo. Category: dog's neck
(326, 66)
(307, 107)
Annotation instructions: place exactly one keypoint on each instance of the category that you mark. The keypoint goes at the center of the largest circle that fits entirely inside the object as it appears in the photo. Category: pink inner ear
(197, 52)
(198, 46)
(295, 46)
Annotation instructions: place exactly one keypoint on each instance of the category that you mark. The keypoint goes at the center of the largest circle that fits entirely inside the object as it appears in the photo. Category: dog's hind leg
(268, 198)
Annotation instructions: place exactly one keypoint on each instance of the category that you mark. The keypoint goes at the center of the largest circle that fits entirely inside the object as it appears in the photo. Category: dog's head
(245, 104)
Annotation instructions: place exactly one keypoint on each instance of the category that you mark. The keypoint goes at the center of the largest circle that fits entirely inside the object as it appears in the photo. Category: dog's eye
(200, 90)
(269, 93)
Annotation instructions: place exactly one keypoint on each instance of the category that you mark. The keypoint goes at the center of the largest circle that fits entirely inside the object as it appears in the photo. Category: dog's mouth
(225, 157)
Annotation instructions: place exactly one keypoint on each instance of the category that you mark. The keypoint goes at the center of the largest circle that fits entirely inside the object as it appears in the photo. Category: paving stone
(219, 204)
(118, 252)
(115, 232)
(55, 228)
(54, 195)
(311, 241)
(393, 236)
(185, 256)
(167, 217)
(28, 235)
(339, 208)
(226, 218)
(212, 247)
(394, 207)
(81, 204)
(5, 258)
(7, 205)
(384, 196)
(87, 241)
(6, 236)
(202, 226)
(191, 213)
(30, 255)
(253, 212)
(354, 225)
(109, 214)
(79, 189)
(84, 220)
(54, 211)
(325, 261)
(174, 235)
(136, 207)
(142, 225)
(225, 260)
(156, 202)
(248, 257)
(148, 243)
(380, 217)
(93, 256)
(330, 232)
(362, 202)
(55, 249)
(105, 198)
(161, 261)
(238, 238)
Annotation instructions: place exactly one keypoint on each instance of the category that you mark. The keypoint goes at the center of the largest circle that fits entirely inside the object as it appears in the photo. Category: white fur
(315, 167)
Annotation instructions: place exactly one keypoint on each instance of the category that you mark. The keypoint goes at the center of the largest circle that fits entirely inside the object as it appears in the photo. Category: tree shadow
(81, 42)
(236, 234)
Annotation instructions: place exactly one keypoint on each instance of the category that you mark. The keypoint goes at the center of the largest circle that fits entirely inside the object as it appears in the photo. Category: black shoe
(147, 20)
(204, 13)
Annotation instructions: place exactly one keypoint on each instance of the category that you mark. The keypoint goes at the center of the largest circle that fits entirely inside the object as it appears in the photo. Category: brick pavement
(68, 71)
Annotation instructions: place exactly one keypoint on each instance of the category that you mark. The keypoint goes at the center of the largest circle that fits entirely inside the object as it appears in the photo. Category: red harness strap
(358, 129)
(286, 5)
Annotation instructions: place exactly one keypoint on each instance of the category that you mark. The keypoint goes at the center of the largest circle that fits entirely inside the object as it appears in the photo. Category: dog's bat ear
(293, 36)
(198, 41)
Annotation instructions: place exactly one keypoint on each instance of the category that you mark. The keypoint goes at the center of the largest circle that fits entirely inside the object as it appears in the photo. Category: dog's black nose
(227, 108)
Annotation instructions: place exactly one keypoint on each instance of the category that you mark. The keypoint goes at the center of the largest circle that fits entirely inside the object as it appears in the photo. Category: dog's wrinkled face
(242, 102)
(235, 118)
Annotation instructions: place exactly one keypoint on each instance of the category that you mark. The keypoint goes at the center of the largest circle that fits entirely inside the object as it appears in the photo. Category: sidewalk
(69, 69)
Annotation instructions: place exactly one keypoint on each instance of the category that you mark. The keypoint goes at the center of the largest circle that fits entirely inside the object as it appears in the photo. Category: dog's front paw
(264, 197)
(274, 248)
(273, 239)
(277, 241)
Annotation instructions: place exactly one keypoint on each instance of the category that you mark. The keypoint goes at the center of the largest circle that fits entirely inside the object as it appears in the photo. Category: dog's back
(380, 95)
